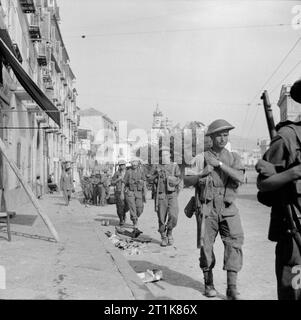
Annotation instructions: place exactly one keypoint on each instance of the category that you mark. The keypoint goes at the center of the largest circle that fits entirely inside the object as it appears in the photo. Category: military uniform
(283, 153)
(216, 211)
(134, 181)
(95, 191)
(101, 189)
(120, 202)
(167, 202)
(87, 189)
(223, 217)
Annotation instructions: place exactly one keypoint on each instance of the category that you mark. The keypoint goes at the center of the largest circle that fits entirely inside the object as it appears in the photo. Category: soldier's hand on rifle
(207, 170)
(211, 159)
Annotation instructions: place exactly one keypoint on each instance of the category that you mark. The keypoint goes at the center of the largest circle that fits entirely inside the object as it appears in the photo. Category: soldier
(167, 178)
(102, 187)
(279, 172)
(85, 184)
(117, 181)
(135, 191)
(94, 182)
(224, 172)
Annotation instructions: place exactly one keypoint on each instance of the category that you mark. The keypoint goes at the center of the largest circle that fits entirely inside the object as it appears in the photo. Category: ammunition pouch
(202, 189)
(140, 185)
(132, 185)
(190, 208)
(171, 183)
(266, 198)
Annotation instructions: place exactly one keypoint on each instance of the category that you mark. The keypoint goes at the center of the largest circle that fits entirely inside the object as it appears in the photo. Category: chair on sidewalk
(6, 216)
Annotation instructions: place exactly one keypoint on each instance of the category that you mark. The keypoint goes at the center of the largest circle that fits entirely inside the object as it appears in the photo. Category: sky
(199, 60)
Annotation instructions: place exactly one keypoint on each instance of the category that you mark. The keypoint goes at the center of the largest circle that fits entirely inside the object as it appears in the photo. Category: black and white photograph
(150, 150)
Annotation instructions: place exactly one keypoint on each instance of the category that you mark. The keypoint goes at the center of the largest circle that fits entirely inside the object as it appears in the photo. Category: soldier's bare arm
(279, 180)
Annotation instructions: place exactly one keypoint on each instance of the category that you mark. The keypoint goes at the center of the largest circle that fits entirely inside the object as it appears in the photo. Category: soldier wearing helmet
(117, 182)
(279, 174)
(222, 174)
(167, 180)
(135, 191)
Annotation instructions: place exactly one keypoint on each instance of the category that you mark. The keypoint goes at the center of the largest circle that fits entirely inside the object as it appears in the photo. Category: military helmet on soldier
(121, 162)
(218, 126)
(296, 91)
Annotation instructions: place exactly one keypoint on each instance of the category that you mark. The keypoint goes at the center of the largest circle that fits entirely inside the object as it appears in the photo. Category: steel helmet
(121, 162)
(296, 91)
(219, 125)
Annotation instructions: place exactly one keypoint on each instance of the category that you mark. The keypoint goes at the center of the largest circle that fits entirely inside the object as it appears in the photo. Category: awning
(27, 83)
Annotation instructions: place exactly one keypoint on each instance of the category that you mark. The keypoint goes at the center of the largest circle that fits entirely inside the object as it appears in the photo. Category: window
(19, 155)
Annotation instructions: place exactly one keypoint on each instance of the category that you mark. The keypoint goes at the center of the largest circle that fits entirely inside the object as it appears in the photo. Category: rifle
(200, 210)
(289, 209)
(269, 114)
(157, 193)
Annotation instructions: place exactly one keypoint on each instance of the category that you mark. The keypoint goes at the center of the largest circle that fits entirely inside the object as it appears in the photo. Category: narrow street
(179, 263)
(86, 265)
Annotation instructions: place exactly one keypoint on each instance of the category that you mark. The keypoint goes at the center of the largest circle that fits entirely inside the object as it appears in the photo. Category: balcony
(34, 28)
(42, 118)
(42, 55)
(31, 107)
(17, 52)
(28, 6)
(22, 94)
(46, 75)
(49, 85)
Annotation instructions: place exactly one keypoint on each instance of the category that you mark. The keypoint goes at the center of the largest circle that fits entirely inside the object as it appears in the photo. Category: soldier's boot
(170, 238)
(164, 240)
(232, 293)
(210, 291)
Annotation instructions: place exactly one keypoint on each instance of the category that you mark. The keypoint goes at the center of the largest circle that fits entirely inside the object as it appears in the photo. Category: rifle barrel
(269, 114)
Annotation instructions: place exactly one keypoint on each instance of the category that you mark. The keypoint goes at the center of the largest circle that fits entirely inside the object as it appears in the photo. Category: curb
(139, 290)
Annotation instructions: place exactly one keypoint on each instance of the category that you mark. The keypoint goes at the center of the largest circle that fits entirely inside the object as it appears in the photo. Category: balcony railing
(18, 53)
(28, 6)
(34, 27)
(42, 54)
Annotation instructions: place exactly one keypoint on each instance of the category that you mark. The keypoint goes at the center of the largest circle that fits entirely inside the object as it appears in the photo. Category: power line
(277, 68)
(265, 83)
(291, 70)
(181, 30)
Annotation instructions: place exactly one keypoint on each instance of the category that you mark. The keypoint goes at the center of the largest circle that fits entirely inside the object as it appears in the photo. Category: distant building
(105, 133)
(289, 109)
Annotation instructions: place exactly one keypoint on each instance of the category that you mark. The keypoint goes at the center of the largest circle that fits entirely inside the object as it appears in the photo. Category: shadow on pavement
(172, 277)
(30, 236)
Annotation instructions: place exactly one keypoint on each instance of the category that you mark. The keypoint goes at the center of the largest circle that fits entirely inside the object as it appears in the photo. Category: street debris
(129, 246)
(151, 275)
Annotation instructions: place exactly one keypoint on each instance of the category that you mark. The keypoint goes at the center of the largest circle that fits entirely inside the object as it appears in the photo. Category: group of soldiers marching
(96, 188)
(131, 189)
(216, 187)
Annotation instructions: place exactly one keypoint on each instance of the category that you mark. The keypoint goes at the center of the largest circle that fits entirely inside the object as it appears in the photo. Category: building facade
(104, 131)
(36, 143)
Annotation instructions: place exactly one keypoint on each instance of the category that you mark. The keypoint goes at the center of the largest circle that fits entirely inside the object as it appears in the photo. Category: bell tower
(157, 118)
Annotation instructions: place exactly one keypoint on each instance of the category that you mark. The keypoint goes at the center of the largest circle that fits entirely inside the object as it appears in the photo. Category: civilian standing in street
(66, 184)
